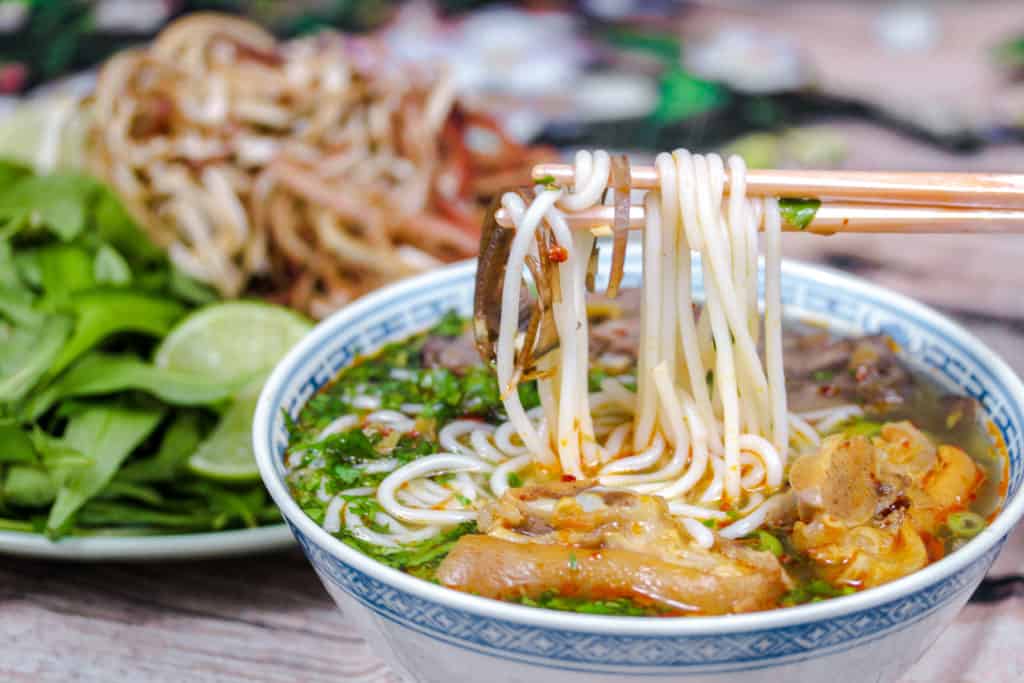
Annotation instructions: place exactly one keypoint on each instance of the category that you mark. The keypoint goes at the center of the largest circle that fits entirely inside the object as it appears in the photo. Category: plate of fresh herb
(126, 387)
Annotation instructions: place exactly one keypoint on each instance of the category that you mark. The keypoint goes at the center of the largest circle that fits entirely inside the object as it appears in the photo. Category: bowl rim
(931, 575)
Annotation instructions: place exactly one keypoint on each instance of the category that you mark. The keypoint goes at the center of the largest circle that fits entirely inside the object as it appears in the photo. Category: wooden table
(266, 618)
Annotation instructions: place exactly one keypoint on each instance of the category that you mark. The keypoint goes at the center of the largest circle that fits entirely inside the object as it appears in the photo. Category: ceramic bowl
(430, 634)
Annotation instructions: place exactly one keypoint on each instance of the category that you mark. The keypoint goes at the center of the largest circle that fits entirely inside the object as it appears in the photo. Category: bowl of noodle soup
(430, 632)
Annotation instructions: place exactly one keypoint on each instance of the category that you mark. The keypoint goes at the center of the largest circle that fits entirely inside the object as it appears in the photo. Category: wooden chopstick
(979, 190)
(845, 217)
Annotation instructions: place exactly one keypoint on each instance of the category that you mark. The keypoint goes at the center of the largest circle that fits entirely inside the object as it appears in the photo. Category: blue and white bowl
(434, 635)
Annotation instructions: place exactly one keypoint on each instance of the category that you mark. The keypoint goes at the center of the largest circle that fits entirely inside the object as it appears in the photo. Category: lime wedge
(47, 133)
(231, 341)
(226, 454)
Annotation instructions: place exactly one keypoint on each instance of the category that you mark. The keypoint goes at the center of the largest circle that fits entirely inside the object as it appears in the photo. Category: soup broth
(892, 475)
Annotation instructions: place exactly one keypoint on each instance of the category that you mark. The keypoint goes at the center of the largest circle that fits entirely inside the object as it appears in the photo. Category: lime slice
(226, 454)
(231, 341)
(47, 133)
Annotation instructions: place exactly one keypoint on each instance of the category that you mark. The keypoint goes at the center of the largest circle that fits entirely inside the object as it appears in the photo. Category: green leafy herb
(450, 325)
(798, 212)
(108, 434)
(29, 486)
(58, 202)
(423, 555)
(100, 314)
(28, 354)
(622, 607)
(814, 591)
(100, 373)
(514, 480)
(110, 268)
(179, 441)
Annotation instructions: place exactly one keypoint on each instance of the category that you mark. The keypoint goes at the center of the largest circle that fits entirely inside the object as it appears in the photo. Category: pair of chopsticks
(851, 201)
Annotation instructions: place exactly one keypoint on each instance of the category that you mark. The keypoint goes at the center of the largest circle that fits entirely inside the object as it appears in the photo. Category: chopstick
(851, 201)
(981, 190)
(831, 218)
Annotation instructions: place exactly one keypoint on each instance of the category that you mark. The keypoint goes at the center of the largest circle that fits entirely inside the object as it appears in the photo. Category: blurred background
(870, 85)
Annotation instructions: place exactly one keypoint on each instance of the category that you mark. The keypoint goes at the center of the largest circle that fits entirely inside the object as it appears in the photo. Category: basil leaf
(17, 305)
(28, 353)
(58, 202)
(101, 373)
(62, 270)
(178, 443)
(8, 270)
(115, 226)
(15, 445)
(110, 268)
(798, 212)
(189, 289)
(102, 313)
(29, 486)
(108, 434)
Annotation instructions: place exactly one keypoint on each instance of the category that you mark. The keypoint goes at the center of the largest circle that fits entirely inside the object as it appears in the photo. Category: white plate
(170, 547)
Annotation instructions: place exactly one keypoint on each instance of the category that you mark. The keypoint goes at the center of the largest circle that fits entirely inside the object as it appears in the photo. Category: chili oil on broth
(430, 394)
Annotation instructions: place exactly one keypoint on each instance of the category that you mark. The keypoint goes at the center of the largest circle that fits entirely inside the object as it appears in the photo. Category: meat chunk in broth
(867, 508)
(581, 540)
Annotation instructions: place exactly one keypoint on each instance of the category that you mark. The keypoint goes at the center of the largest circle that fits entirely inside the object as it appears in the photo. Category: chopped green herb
(514, 480)
(451, 325)
(965, 524)
(814, 591)
(861, 427)
(762, 540)
(546, 181)
(798, 212)
(620, 607)
(823, 375)
(573, 562)
(422, 555)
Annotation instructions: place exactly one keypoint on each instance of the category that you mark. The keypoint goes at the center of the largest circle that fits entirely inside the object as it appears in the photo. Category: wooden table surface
(266, 618)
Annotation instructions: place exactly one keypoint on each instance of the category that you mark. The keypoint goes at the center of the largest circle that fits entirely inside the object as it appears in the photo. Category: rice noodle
(313, 165)
(708, 423)
(707, 429)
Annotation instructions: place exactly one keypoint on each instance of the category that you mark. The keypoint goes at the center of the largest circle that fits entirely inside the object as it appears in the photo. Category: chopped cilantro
(797, 211)
(594, 379)
(574, 564)
(762, 540)
(346, 474)
(814, 591)
(617, 607)
(514, 480)
(451, 325)
(423, 555)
